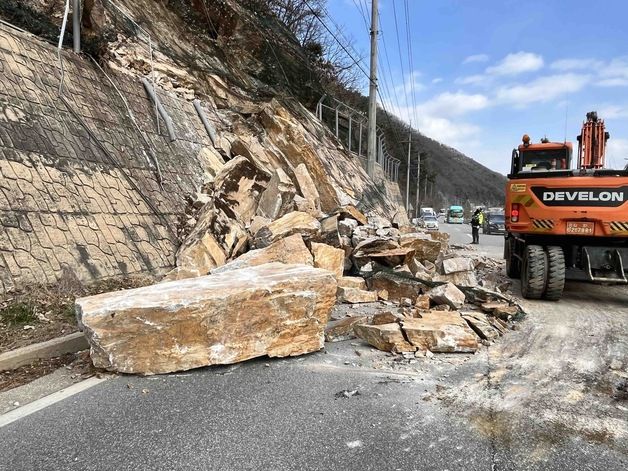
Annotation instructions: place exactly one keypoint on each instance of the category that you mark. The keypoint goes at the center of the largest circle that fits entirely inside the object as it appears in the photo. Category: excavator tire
(513, 264)
(534, 272)
(555, 273)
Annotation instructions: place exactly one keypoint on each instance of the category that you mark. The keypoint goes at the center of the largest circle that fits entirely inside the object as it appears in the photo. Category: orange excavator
(563, 223)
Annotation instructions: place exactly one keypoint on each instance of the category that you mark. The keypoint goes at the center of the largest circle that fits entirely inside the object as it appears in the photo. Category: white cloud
(437, 80)
(614, 74)
(447, 131)
(411, 84)
(576, 64)
(541, 90)
(613, 111)
(475, 58)
(612, 82)
(453, 104)
(473, 80)
(517, 63)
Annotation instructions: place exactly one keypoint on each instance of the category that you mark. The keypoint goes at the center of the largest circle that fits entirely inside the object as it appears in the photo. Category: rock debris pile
(262, 267)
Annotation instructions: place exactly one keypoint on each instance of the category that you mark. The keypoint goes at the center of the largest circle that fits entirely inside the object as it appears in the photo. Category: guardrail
(350, 125)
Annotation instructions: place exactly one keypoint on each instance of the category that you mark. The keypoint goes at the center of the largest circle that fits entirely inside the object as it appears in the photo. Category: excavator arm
(592, 143)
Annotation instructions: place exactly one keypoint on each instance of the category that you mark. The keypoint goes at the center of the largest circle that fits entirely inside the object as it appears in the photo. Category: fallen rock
(385, 337)
(306, 206)
(352, 282)
(257, 223)
(398, 286)
(274, 309)
(462, 278)
(442, 237)
(447, 294)
(355, 295)
(351, 212)
(238, 187)
(417, 269)
(385, 318)
(278, 198)
(342, 329)
(291, 250)
(374, 245)
(295, 222)
(329, 233)
(424, 249)
(440, 332)
(329, 258)
(347, 226)
(379, 222)
(389, 257)
(500, 309)
(480, 325)
(457, 264)
(214, 240)
(307, 187)
(422, 302)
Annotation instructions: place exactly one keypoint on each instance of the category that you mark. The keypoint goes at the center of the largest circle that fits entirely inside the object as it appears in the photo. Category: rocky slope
(94, 184)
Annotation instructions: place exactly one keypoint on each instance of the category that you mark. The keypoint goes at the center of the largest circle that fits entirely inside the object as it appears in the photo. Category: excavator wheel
(555, 273)
(534, 272)
(513, 264)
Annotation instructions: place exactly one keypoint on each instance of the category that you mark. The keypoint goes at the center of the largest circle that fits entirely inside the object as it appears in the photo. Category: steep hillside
(457, 178)
(448, 175)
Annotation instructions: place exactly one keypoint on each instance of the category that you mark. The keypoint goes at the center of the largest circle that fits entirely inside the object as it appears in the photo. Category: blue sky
(484, 72)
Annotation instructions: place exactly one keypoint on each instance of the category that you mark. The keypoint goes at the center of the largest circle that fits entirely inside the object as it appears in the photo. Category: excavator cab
(544, 157)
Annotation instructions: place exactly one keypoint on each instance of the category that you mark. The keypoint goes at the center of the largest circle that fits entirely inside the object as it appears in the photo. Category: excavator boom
(592, 143)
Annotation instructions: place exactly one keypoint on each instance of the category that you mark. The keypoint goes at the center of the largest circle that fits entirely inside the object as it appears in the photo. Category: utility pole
(372, 124)
(408, 174)
(418, 189)
(76, 25)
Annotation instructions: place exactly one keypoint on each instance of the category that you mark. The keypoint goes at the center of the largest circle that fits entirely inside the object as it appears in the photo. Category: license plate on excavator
(581, 228)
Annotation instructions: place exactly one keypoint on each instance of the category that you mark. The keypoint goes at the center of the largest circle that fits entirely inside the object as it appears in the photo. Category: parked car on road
(428, 222)
(494, 223)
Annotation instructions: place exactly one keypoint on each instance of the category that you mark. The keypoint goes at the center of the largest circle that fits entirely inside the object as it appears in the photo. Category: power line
(355, 61)
(336, 39)
(410, 54)
(403, 74)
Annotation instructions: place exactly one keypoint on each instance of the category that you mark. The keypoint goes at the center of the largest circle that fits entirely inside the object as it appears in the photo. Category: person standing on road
(476, 221)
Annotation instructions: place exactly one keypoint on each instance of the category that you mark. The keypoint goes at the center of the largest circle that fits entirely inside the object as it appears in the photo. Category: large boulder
(440, 332)
(274, 309)
(215, 239)
(278, 198)
(425, 249)
(356, 295)
(296, 222)
(308, 188)
(447, 294)
(238, 187)
(291, 250)
(397, 285)
(386, 337)
(329, 258)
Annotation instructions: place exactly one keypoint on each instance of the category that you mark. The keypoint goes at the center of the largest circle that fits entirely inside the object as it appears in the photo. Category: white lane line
(39, 404)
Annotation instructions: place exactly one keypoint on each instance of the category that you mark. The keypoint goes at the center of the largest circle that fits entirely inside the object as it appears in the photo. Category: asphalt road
(547, 396)
(491, 245)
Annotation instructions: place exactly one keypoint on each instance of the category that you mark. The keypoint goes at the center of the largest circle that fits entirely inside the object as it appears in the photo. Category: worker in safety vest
(476, 222)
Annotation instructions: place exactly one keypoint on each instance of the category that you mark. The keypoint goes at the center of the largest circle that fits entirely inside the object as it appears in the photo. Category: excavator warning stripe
(619, 226)
(543, 223)
(525, 200)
